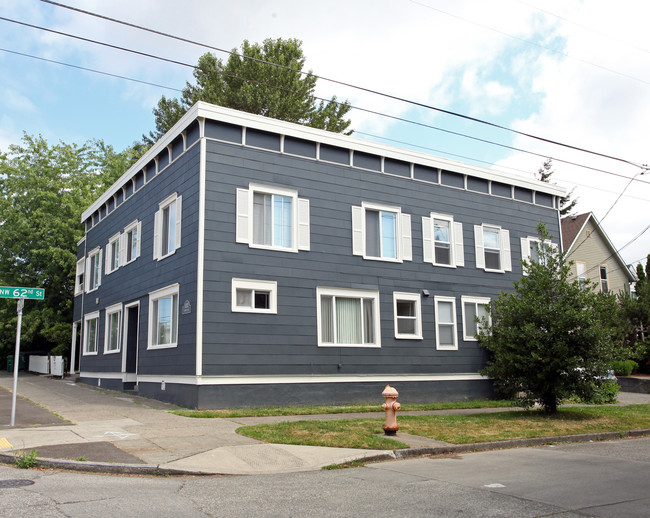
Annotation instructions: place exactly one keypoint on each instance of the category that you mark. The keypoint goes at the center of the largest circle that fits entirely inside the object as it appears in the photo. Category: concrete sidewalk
(109, 431)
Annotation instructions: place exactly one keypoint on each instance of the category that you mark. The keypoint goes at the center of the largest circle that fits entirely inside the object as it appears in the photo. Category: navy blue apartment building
(246, 261)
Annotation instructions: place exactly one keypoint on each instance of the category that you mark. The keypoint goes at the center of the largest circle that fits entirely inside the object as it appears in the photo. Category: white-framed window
(347, 317)
(113, 254)
(130, 246)
(163, 318)
(442, 241)
(113, 329)
(254, 296)
(381, 232)
(492, 247)
(581, 271)
(445, 315)
(604, 284)
(91, 333)
(79, 277)
(530, 249)
(473, 307)
(273, 218)
(167, 227)
(93, 275)
(408, 315)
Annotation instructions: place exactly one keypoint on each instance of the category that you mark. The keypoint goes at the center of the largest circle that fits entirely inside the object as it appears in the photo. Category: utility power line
(342, 83)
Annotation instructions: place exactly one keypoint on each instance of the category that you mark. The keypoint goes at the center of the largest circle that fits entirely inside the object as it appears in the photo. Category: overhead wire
(343, 83)
(366, 110)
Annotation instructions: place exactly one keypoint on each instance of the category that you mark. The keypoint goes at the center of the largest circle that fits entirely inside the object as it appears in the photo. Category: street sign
(9, 292)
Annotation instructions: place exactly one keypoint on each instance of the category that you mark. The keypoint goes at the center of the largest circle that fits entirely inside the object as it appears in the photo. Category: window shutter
(242, 232)
(427, 240)
(303, 224)
(99, 273)
(407, 241)
(525, 249)
(357, 230)
(478, 245)
(506, 261)
(156, 235)
(179, 222)
(459, 247)
(86, 276)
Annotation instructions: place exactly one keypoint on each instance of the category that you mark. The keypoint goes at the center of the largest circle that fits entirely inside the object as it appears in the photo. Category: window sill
(408, 337)
(90, 353)
(161, 346)
(364, 346)
(274, 248)
(116, 351)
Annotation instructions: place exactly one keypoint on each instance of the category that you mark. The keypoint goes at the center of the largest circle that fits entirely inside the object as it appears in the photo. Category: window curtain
(389, 235)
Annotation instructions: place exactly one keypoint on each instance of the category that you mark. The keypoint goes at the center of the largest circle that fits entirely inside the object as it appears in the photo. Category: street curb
(500, 445)
(104, 467)
(148, 469)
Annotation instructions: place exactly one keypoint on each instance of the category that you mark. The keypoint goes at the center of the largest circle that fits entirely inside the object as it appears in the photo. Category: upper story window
(442, 241)
(79, 277)
(94, 270)
(254, 296)
(113, 254)
(604, 285)
(348, 318)
(131, 242)
(163, 317)
(381, 232)
(581, 271)
(167, 227)
(272, 218)
(492, 245)
(531, 248)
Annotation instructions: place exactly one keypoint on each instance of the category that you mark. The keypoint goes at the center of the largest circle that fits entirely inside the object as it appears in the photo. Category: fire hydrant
(391, 406)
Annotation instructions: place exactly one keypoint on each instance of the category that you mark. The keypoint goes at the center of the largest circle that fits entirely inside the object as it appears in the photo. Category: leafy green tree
(43, 191)
(251, 85)
(635, 317)
(549, 340)
(567, 203)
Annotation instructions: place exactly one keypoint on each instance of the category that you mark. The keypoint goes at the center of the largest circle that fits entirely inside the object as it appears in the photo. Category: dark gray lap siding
(134, 281)
(286, 343)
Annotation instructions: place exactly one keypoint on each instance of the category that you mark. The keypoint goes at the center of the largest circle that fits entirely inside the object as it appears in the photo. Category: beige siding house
(594, 256)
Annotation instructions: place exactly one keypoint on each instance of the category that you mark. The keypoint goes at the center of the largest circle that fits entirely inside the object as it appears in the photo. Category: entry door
(131, 340)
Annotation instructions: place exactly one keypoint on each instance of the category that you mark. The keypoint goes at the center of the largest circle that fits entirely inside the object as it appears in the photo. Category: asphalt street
(603, 479)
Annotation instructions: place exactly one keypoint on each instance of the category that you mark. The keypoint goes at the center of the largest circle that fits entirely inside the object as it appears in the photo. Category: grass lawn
(336, 409)
(368, 434)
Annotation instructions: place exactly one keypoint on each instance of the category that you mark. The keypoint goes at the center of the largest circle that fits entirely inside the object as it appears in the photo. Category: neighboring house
(247, 261)
(596, 259)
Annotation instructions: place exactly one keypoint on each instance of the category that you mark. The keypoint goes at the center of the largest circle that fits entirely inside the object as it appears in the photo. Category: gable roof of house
(572, 227)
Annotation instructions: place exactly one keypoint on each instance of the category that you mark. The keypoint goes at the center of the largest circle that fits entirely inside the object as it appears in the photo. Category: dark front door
(132, 339)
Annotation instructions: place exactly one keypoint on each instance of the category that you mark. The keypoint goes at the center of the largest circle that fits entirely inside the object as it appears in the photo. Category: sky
(572, 72)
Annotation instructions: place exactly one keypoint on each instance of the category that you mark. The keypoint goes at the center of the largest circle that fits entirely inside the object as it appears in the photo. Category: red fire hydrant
(391, 406)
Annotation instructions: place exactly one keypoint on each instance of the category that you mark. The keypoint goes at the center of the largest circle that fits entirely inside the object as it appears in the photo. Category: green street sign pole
(11, 292)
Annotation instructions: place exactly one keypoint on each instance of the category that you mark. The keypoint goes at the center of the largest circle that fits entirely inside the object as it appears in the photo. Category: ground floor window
(113, 329)
(473, 307)
(445, 316)
(408, 316)
(91, 333)
(163, 317)
(348, 318)
(254, 296)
